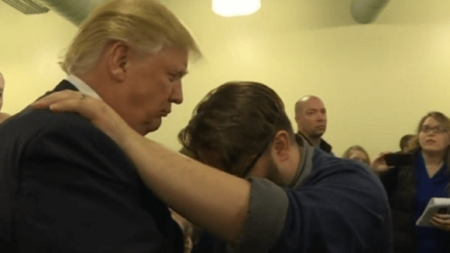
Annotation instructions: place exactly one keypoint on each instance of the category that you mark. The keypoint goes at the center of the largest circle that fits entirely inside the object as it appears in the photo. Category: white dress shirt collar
(82, 86)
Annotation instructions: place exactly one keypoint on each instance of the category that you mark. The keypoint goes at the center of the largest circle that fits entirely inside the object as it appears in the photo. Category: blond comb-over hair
(145, 25)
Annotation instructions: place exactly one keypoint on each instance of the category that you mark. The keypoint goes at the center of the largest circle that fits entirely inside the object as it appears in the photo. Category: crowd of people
(78, 175)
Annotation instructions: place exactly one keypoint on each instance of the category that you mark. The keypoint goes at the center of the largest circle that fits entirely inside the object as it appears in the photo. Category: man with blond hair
(67, 187)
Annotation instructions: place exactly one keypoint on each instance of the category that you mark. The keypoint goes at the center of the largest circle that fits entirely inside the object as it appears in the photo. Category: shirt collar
(325, 146)
(306, 162)
(82, 86)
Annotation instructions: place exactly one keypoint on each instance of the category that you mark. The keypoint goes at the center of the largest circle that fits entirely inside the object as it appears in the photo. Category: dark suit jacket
(67, 187)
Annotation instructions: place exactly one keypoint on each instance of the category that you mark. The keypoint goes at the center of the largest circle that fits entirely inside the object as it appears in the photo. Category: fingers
(72, 105)
(56, 97)
(434, 223)
(381, 155)
(95, 110)
(70, 101)
(441, 221)
(379, 164)
(442, 216)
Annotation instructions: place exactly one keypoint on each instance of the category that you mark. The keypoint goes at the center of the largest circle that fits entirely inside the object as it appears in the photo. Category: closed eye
(176, 76)
(172, 77)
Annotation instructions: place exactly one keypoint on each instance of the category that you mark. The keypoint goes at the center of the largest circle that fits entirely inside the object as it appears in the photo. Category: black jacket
(400, 185)
(324, 146)
(67, 187)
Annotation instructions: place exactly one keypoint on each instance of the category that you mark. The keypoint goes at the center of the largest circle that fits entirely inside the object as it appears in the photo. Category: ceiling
(295, 15)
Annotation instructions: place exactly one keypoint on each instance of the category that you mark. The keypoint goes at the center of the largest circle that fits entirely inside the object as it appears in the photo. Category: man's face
(312, 118)
(2, 87)
(151, 85)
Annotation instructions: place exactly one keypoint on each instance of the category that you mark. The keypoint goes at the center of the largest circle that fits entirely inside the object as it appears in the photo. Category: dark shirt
(323, 145)
(334, 206)
(430, 239)
(67, 187)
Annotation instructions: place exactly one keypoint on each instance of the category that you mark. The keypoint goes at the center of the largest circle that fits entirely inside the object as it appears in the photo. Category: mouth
(430, 141)
(165, 113)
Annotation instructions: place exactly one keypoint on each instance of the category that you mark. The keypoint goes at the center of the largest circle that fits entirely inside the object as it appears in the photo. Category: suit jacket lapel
(64, 85)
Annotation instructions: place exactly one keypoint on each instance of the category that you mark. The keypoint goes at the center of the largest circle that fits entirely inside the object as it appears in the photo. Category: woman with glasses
(410, 188)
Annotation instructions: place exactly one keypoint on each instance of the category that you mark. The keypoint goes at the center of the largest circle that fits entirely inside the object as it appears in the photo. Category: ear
(118, 57)
(281, 146)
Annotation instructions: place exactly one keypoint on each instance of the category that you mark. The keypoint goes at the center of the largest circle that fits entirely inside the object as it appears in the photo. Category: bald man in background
(3, 116)
(311, 118)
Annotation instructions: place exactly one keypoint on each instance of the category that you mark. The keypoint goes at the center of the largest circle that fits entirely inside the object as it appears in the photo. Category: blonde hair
(349, 151)
(145, 25)
(413, 144)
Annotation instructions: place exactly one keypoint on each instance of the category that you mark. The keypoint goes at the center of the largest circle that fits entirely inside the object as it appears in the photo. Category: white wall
(376, 80)
(29, 50)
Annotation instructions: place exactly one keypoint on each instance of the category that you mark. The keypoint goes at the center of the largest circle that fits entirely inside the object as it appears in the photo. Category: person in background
(411, 187)
(67, 187)
(311, 118)
(3, 116)
(261, 187)
(357, 153)
(404, 142)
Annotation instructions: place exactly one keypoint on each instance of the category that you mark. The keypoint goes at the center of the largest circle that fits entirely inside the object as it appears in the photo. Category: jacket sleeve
(389, 180)
(338, 211)
(79, 193)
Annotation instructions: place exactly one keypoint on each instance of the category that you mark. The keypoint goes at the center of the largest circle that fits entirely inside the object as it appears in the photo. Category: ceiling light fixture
(232, 8)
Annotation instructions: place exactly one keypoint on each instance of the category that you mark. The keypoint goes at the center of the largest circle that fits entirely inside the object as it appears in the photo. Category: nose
(177, 94)
(431, 133)
(322, 117)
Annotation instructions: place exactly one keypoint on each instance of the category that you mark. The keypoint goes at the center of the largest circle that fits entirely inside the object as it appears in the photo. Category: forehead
(172, 57)
(357, 152)
(313, 103)
(430, 121)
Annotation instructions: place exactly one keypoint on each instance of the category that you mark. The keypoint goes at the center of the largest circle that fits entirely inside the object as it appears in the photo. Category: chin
(432, 149)
(318, 135)
(153, 126)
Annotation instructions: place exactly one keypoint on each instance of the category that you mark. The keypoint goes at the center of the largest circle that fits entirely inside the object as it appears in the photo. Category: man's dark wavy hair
(237, 121)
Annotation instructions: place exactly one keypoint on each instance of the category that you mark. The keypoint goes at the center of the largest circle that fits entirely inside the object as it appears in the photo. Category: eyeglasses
(436, 129)
(258, 155)
(250, 166)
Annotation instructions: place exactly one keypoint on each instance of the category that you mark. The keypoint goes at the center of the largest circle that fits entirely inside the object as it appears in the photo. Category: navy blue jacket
(67, 187)
(341, 207)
